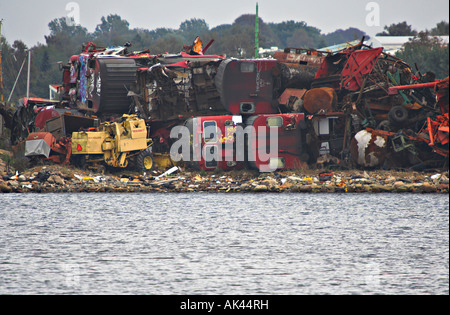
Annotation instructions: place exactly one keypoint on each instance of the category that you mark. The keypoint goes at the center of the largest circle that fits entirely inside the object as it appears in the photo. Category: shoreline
(60, 179)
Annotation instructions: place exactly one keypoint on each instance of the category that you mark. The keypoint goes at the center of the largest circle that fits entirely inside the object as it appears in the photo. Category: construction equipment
(115, 144)
(53, 132)
(45, 144)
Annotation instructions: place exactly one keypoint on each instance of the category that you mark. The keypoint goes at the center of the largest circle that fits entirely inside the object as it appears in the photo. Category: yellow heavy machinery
(116, 144)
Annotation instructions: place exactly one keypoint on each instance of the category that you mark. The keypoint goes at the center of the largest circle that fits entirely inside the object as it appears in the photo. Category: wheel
(398, 115)
(384, 125)
(144, 161)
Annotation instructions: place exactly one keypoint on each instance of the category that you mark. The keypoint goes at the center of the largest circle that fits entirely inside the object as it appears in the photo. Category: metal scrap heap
(356, 107)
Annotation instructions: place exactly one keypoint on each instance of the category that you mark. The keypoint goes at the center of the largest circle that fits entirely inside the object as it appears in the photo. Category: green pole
(257, 32)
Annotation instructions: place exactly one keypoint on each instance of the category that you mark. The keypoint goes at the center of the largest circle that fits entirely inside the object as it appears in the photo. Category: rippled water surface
(204, 244)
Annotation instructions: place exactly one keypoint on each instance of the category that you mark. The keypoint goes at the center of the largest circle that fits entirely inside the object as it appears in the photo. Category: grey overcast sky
(28, 19)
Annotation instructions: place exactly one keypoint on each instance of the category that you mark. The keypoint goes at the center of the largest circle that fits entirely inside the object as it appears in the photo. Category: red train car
(213, 142)
(247, 87)
(278, 142)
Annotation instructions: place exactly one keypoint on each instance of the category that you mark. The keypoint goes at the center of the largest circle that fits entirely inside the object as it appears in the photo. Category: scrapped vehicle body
(115, 144)
(329, 129)
(167, 90)
(369, 149)
(346, 70)
(157, 86)
(264, 142)
(388, 116)
(96, 81)
(213, 142)
(290, 148)
(417, 146)
(299, 66)
(53, 142)
(248, 87)
(45, 144)
(23, 119)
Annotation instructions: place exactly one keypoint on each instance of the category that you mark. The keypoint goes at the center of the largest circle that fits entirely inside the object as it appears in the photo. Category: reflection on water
(234, 244)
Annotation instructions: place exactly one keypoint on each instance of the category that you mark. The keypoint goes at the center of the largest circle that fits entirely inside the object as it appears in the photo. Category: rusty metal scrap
(361, 106)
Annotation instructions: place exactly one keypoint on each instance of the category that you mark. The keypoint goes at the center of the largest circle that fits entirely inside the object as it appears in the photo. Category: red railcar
(264, 142)
(248, 87)
(278, 142)
(213, 142)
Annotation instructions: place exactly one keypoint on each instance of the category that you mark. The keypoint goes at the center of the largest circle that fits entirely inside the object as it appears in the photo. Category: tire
(385, 125)
(398, 115)
(144, 161)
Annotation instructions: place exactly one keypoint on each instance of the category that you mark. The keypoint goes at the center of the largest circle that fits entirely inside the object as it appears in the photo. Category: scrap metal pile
(357, 107)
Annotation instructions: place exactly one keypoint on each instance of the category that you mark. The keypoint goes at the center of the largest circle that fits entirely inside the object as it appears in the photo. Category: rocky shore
(61, 179)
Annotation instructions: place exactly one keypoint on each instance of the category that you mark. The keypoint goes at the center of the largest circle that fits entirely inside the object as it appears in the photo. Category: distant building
(268, 52)
(54, 91)
(393, 44)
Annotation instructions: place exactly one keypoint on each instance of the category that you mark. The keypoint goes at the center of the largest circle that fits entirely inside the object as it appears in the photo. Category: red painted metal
(290, 146)
(61, 148)
(246, 87)
(207, 46)
(394, 89)
(221, 142)
(347, 69)
(359, 64)
(442, 95)
(288, 94)
(44, 115)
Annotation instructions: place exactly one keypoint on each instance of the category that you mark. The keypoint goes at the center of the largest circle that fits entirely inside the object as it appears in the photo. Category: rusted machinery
(359, 105)
(115, 144)
(45, 144)
(52, 140)
(373, 147)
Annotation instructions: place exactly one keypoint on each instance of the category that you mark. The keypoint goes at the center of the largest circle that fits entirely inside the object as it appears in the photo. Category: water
(236, 244)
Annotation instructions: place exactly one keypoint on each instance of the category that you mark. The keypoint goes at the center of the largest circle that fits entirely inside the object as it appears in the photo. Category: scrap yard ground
(61, 179)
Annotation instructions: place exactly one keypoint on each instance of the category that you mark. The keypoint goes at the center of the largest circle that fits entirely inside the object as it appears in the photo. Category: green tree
(297, 34)
(343, 36)
(64, 35)
(300, 38)
(192, 28)
(45, 63)
(441, 29)
(430, 54)
(170, 43)
(398, 29)
(239, 41)
(112, 31)
(13, 57)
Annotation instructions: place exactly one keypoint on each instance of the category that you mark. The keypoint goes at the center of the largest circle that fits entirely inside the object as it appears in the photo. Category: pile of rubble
(381, 112)
(357, 107)
(55, 178)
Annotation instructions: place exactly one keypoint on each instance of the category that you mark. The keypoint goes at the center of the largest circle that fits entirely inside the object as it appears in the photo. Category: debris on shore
(59, 179)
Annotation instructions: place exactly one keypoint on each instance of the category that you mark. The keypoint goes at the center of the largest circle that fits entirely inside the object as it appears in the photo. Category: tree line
(234, 40)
